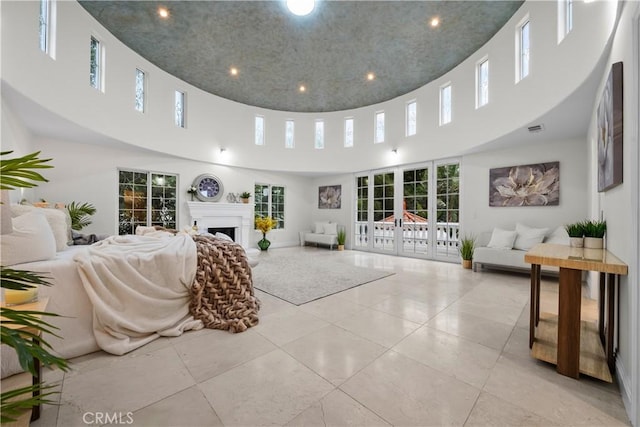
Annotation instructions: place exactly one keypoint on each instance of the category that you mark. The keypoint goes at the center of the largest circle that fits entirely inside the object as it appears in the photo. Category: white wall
(61, 85)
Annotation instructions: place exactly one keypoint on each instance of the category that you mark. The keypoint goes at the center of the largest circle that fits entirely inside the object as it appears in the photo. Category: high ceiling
(330, 51)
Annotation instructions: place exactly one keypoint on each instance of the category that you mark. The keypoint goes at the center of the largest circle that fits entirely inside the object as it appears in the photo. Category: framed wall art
(609, 131)
(330, 197)
(525, 185)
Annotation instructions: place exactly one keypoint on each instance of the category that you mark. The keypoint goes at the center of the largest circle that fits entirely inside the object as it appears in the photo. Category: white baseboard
(625, 389)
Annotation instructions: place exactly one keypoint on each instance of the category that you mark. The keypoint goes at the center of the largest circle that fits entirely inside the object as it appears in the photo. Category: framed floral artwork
(330, 197)
(525, 185)
(609, 131)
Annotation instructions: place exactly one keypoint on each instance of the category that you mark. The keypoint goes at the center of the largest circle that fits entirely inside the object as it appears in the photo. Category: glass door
(414, 213)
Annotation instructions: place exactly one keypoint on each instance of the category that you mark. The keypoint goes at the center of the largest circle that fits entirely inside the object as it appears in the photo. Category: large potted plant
(594, 232)
(80, 214)
(21, 173)
(467, 246)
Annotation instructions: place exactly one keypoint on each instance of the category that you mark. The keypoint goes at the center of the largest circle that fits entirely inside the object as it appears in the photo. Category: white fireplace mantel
(236, 215)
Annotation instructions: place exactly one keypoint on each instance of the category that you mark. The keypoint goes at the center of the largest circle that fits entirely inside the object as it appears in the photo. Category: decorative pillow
(31, 240)
(528, 237)
(502, 239)
(319, 227)
(57, 219)
(223, 236)
(558, 237)
(331, 228)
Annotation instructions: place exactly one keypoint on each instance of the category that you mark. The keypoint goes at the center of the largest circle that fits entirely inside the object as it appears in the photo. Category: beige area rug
(301, 275)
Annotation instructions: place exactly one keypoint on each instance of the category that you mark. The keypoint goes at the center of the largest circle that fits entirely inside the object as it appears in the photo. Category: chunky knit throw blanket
(222, 294)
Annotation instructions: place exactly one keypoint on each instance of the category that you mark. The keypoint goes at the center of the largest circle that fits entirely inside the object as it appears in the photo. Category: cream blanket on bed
(139, 288)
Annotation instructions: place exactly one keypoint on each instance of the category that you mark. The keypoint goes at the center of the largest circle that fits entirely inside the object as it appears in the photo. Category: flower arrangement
(193, 191)
(264, 224)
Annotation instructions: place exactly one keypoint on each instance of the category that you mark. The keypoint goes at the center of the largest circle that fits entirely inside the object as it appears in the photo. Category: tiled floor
(431, 345)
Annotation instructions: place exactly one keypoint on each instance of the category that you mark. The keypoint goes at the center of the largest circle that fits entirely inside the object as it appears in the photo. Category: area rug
(301, 276)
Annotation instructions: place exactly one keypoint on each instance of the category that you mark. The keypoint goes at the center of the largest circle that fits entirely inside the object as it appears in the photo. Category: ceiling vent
(535, 128)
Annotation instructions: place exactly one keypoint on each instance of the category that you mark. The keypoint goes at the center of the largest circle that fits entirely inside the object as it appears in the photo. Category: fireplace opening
(229, 231)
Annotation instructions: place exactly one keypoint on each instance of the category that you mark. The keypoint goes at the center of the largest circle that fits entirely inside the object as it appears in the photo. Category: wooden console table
(563, 347)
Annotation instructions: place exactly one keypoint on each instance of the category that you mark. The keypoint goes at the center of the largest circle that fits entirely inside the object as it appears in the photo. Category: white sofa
(322, 233)
(505, 249)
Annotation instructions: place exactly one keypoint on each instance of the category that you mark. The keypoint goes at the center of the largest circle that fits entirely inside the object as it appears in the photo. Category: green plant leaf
(80, 214)
(11, 407)
(19, 173)
(20, 279)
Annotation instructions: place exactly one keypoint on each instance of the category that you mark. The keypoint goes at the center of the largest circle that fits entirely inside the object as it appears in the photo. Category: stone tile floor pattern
(431, 345)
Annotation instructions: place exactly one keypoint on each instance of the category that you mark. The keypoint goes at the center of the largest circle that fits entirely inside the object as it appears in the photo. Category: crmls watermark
(100, 418)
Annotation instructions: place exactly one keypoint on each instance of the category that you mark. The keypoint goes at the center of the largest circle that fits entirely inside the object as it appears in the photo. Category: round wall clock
(209, 187)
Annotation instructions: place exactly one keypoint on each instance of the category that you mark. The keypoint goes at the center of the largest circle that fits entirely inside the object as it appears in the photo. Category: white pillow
(319, 227)
(502, 239)
(331, 228)
(528, 237)
(558, 237)
(57, 219)
(31, 240)
(223, 236)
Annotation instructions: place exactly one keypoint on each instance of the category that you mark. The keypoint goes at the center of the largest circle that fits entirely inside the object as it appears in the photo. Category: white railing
(415, 236)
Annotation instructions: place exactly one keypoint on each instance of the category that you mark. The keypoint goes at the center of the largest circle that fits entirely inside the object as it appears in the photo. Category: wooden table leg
(601, 299)
(570, 294)
(611, 296)
(36, 381)
(533, 309)
(538, 274)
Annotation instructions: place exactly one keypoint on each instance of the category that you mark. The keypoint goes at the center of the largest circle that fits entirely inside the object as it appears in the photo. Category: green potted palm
(342, 238)
(244, 196)
(594, 232)
(576, 234)
(80, 214)
(467, 246)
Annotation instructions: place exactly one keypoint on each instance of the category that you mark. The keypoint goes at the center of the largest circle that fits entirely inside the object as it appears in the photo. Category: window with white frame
(269, 201)
(46, 26)
(348, 132)
(259, 129)
(565, 18)
(482, 83)
(523, 44)
(379, 127)
(319, 135)
(95, 63)
(445, 104)
(179, 112)
(411, 119)
(140, 90)
(289, 134)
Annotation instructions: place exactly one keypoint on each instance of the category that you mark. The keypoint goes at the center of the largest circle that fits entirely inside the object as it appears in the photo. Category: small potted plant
(594, 234)
(576, 234)
(244, 196)
(467, 245)
(342, 237)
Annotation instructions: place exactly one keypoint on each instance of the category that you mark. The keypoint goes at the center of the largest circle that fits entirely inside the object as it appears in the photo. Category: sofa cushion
(331, 228)
(528, 237)
(558, 237)
(319, 227)
(502, 239)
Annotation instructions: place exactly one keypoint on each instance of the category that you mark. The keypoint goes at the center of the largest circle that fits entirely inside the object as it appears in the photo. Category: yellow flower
(265, 224)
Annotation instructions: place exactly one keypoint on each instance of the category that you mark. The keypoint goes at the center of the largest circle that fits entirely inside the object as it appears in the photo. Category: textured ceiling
(329, 51)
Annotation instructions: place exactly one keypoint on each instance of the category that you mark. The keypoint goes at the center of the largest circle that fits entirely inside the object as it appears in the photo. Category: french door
(409, 211)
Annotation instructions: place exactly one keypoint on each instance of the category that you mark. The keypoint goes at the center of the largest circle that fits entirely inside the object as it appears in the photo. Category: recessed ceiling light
(233, 71)
(435, 21)
(371, 76)
(302, 88)
(163, 12)
(301, 7)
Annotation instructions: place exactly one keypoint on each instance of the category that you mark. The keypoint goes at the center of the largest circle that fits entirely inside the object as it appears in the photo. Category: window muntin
(482, 83)
(289, 134)
(348, 132)
(270, 201)
(379, 127)
(259, 130)
(411, 118)
(523, 49)
(179, 113)
(319, 135)
(140, 90)
(147, 199)
(445, 104)
(95, 63)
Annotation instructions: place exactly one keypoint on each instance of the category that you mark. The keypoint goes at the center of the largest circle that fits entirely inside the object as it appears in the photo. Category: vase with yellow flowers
(264, 224)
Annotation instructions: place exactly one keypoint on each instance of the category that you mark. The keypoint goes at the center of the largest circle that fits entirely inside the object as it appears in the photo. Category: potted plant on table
(467, 246)
(594, 234)
(264, 224)
(576, 234)
(244, 196)
(342, 237)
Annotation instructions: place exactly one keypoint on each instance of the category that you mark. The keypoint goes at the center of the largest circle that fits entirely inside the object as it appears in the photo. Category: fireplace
(238, 217)
(229, 231)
